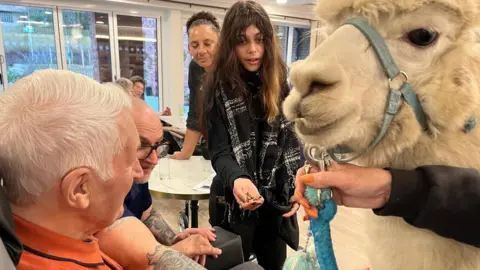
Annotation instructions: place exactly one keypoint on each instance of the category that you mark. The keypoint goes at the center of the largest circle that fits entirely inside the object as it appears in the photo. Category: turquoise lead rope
(322, 199)
(320, 228)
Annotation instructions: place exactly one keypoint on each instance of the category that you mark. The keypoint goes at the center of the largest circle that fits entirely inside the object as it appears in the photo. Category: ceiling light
(281, 1)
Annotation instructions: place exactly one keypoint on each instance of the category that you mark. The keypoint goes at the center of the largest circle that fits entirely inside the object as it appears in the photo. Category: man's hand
(352, 186)
(208, 233)
(197, 247)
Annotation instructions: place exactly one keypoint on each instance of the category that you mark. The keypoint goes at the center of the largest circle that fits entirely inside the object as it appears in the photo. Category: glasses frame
(160, 154)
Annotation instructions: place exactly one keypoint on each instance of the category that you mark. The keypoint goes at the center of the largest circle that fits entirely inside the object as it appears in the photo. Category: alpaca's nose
(313, 76)
(316, 86)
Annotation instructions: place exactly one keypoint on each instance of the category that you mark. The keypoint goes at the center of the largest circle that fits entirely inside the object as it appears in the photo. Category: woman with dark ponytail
(203, 31)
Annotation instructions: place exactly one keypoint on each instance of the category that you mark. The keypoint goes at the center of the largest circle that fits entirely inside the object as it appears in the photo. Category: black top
(7, 229)
(137, 201)
(445, 200)
(195, 76)
(221, 153)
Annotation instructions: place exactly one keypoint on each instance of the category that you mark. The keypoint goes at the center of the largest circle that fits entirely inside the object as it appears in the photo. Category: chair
(232, 252)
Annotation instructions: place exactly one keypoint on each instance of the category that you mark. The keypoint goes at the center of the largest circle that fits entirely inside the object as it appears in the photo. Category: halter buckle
(405, 77)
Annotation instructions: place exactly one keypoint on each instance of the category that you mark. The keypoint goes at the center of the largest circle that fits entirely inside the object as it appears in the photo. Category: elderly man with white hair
(67, 159)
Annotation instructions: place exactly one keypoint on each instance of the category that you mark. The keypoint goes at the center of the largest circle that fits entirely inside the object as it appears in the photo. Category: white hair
(126, 85)
(52, 122)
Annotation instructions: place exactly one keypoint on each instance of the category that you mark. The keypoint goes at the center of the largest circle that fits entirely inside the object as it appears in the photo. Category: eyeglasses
(145, 150)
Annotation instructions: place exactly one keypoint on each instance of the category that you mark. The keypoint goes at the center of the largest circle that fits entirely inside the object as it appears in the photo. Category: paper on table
(204, 186)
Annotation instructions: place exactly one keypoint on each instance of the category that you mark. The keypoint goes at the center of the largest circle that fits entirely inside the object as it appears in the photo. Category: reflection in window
(28, 39)
(87, 44)
(186, 63)
(282, 35)
(137, 45)
(301, 43)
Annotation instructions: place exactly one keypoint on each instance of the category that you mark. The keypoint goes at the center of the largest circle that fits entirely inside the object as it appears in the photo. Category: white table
(176, 179)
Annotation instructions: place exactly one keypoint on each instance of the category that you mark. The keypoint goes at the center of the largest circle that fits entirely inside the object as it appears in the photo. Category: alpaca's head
(340, 90)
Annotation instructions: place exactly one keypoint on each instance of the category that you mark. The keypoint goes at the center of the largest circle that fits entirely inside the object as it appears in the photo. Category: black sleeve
(194, 81)
(445, 200)
(7, 230)
(220, 150)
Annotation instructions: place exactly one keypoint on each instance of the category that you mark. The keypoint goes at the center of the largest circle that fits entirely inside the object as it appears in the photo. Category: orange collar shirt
(44, 249)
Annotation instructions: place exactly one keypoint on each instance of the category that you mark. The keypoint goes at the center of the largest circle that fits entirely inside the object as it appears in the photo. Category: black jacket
(7, 230)
(445, 200)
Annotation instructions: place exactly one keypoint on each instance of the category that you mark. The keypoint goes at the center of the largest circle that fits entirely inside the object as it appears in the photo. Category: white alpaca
(341, 91)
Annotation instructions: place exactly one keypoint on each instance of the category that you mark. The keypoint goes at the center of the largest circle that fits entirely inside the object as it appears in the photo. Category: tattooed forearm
(172, 260)
(159, 227)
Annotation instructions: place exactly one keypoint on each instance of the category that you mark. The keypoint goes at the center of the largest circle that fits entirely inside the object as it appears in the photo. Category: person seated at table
(203, 31)
(138, 86)
(67, 161)
(138, 207)
(135, 88)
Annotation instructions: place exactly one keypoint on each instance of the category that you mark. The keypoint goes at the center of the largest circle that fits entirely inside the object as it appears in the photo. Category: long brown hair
(226, 67)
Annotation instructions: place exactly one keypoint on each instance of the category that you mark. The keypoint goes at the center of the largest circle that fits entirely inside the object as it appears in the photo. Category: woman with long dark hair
(203, 31)
(252, 147)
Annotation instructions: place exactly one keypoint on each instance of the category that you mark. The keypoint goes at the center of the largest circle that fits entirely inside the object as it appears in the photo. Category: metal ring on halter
(307, 168)
(405, 76)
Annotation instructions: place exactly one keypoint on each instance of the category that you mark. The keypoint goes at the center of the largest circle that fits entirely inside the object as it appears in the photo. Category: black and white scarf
(273, 167)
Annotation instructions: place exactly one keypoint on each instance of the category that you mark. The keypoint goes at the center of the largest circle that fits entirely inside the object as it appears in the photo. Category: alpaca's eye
(422, 37)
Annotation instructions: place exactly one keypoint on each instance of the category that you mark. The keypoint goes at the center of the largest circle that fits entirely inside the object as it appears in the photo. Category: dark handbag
(232, 252)
(287, 227)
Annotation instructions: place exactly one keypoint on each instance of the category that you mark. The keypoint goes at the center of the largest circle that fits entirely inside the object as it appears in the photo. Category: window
(282, 34)
(28, 40)
(138, 56)
(186, 63)
(301, 43)
(87, 44)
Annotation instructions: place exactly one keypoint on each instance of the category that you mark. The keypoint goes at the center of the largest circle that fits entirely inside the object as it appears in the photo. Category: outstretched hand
(197, 247)
(352, 186)
(246, 194)
(208, 233)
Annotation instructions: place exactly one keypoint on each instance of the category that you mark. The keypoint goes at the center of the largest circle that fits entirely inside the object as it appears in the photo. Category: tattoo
(153, 257)
(159, 227)
(171, 259)
(116, 223)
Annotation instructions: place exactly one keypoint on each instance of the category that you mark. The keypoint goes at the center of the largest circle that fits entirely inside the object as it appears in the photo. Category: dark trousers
(259, 234)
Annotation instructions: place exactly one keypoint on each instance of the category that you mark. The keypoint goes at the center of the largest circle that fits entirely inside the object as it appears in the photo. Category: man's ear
(76, 187)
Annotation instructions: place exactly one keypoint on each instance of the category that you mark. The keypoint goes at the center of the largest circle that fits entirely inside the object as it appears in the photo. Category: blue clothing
(137, 201)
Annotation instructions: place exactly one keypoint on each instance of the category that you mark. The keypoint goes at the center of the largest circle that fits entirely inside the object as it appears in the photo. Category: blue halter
(391, 70)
